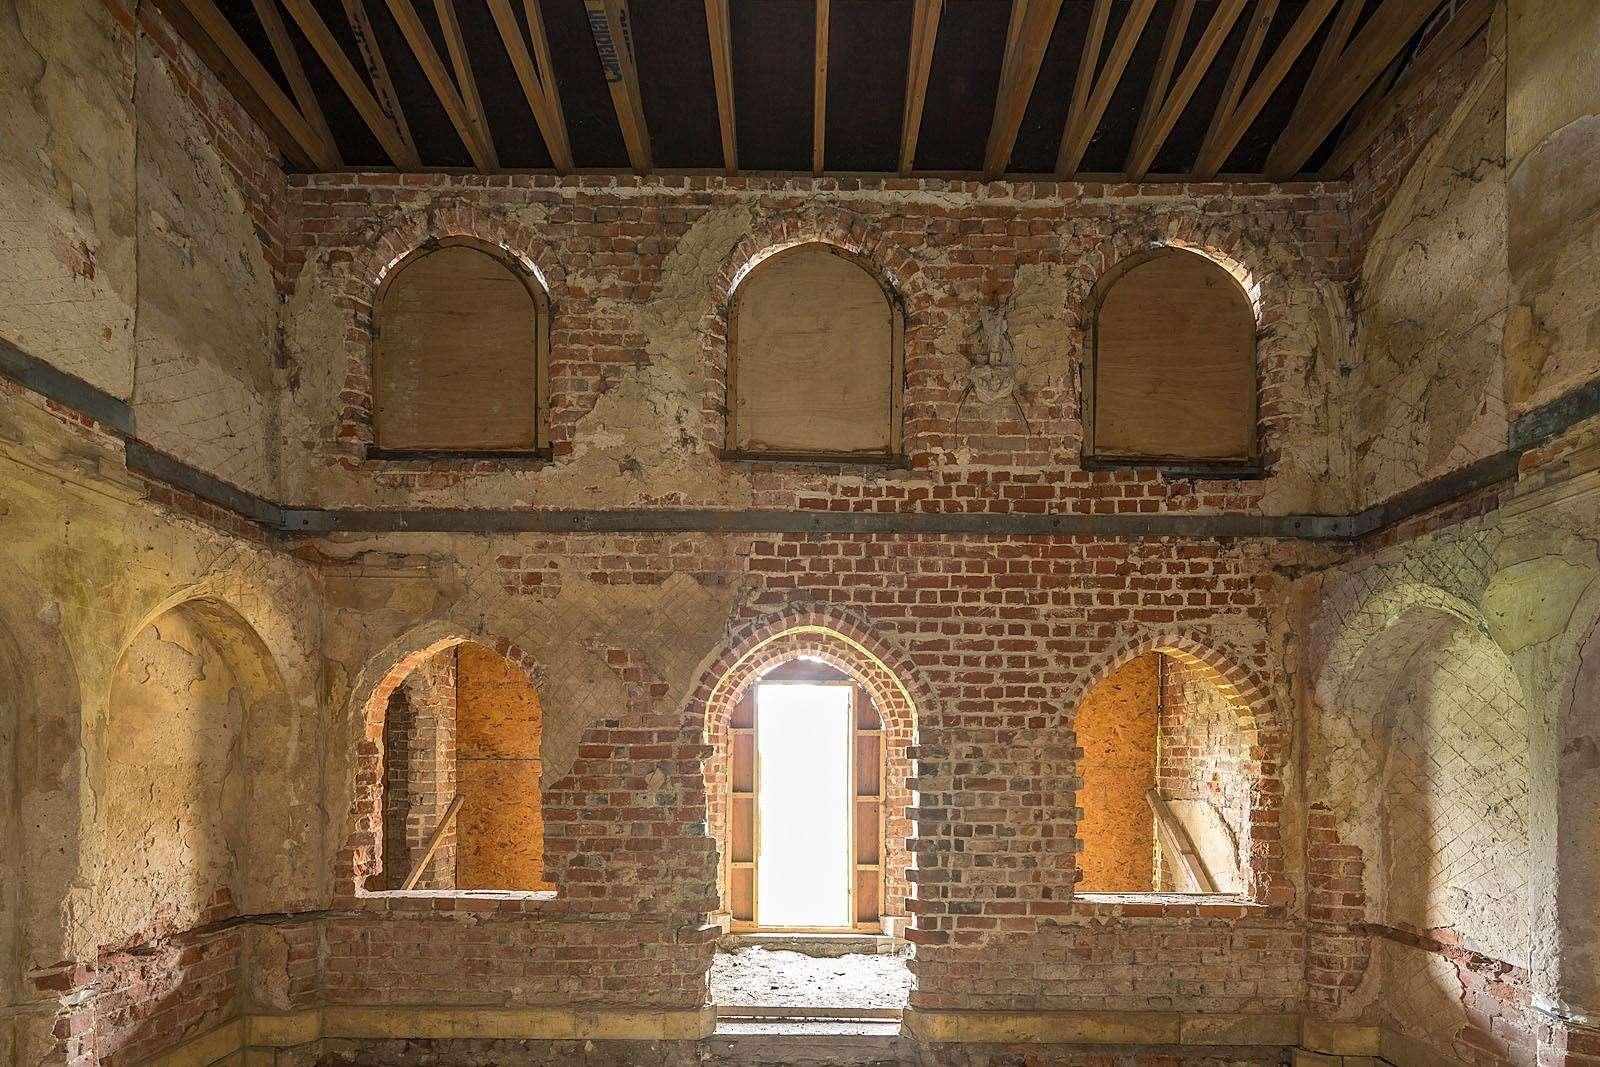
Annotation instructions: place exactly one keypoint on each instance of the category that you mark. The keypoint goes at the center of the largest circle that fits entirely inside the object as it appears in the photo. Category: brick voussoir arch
(362, 279)
(1261, 727)
(876, 251)
(361, 854)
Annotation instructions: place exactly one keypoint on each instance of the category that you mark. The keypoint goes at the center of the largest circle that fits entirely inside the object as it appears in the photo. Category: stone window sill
(1173, 906)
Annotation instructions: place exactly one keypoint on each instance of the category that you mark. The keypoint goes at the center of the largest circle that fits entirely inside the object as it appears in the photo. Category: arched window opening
(460, 351)
(1174, 371)
(461, 766)
(1165, 796)
(806, 801)
(815, 360)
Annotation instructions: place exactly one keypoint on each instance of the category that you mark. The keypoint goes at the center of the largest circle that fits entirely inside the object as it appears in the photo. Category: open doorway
(805, 774)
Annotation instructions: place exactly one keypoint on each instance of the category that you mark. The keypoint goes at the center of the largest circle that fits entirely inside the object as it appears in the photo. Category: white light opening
(803, 801)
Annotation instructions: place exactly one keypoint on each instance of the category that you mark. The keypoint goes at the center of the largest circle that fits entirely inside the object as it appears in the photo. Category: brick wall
(1202, 749)
(419, 746)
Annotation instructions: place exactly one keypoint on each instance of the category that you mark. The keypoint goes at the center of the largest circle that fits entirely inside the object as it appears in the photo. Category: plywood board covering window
(460, 340)
(815, 359)
(1174, 376)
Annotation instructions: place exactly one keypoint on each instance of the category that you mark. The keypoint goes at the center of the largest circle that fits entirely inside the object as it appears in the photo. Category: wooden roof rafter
(538, 82)
(444, 87)
(214, 38)
(466, 82)
(1385, 33)
(383, 90)
(919, 63)
(819, 89)
(1088, 107)
(399, 147)
(1149, 138)
(1027, 37)
(295, 73)
(612, 28)
(719, 32)
(1236, 123)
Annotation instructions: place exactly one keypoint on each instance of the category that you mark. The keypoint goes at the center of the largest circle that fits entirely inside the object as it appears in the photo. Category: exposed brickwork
(419, 747)
(1202, 748)
(1337, 953)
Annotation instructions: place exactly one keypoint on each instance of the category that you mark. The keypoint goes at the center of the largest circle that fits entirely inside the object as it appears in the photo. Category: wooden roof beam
(211, 35)
(465, 82)
(1365, 126)
(1081, 124)
(1160, 77)
(613, 40)
(283, 49)
(719, 31)
(538, 83)
(1244, 64)
(1386, 32)
(1150, 140)
(1032, 23)
(401, 152)
(355, 12)
(1238, 121)
(924, 31)
(443, 87)
(819, 90)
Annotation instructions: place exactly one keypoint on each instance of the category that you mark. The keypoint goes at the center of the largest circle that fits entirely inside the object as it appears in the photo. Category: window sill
(461, 900)
(527, 457)
(1177, 469)
(1173, 906)
(817, 459)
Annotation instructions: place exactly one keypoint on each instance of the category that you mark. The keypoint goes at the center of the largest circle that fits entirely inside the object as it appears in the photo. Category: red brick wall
(419, 748)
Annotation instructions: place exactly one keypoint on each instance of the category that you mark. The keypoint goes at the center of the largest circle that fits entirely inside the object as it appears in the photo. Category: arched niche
(460, 353)
(816, 359)
(1173, 375)
(192, 805)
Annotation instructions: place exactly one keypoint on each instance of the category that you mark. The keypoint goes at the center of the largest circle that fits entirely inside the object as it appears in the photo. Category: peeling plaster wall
(67, 246)
(90, 562)
(1553, 198)
(173, 802)
(1427, 393)
(206, 331)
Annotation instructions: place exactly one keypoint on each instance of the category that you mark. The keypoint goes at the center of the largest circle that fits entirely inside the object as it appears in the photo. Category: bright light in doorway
(803, 803)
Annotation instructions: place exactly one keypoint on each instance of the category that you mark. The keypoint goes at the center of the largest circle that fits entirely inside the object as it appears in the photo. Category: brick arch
(361, 855)
(847, 645)
(1262, 734)
(874, 250)
(396, 240)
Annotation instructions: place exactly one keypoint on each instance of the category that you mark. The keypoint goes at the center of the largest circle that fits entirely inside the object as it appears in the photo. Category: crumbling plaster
(104, 565)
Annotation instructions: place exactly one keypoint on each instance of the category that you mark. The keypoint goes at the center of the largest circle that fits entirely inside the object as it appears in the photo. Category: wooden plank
(924, 31)
(551, 126)
(1160, 78)
(1205, 53)
(210, 33)
(400, 151)
(1244, 64)
(561, 144)
(443, 87)
(466, 82)
(1083, 81)
(1339, 30)
(378, 72)
(271, 20)
(1380, 40)
(1176, 841)
(1032, 22)
(720, 35)
(1367, 123)
(819, 90)
(1238, 122)
(1081, 126)
(613, 40)
(433, 843)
